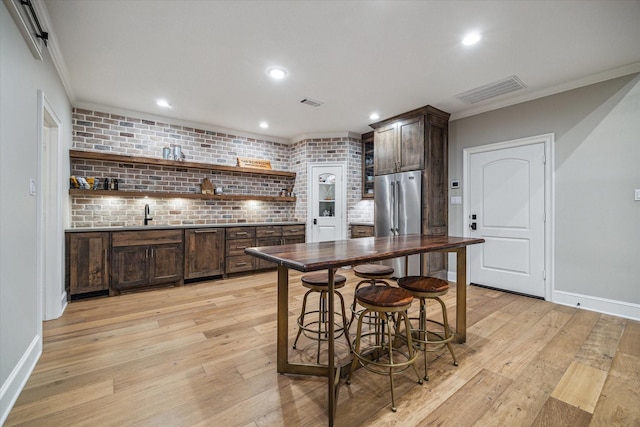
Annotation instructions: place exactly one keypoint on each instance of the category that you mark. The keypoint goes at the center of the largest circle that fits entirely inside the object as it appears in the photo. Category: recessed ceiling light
(374, 116)
(264, 125)
(471, 39)
(277, 72)
(163, 103)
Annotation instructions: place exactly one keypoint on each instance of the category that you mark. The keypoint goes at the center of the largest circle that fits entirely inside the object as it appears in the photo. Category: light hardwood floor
(204, 355)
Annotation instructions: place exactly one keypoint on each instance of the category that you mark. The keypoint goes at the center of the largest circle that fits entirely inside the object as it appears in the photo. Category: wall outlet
(456, 200)
(32, 186)
(637, 193)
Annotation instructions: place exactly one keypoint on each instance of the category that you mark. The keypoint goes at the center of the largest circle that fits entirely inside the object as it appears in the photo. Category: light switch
(32, 186)
(456, 200)
(637, 193)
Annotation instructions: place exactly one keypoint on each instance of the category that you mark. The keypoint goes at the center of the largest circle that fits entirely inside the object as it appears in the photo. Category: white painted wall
(21, 75)
(597, 168)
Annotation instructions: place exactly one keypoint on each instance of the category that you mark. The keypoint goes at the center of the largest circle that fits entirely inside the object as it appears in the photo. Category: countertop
(183, 226)
(368, 224)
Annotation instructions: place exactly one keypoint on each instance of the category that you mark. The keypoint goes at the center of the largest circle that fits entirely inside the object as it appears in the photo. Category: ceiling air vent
(491, 90)
(311, 102)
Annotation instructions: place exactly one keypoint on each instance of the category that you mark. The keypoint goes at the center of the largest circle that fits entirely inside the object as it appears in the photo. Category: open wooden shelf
(109, 157)
(121, 158)
(167, 195)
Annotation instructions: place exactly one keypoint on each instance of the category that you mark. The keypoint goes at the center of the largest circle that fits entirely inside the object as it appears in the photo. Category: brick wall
(117, 134)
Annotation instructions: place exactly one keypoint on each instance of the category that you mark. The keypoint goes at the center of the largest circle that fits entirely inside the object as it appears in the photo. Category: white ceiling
(208, 58)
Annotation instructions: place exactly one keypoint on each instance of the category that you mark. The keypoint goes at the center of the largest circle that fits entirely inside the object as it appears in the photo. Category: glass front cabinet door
(367, 165)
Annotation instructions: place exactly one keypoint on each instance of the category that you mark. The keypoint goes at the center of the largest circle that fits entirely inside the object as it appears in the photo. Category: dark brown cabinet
(418, 140)
(204, 252)
(277, 235)
(240, 238)
(367, 165)
(146, 258)
(358, 230)
(267, 236)
(293, 234)
(87, 262)
(399, 145)
(237, 240)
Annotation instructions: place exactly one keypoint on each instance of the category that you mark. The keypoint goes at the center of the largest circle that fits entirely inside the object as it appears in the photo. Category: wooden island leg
(461, 294)
(283, 320)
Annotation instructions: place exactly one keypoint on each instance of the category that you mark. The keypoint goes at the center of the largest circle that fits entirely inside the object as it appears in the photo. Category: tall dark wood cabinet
(418, 140)
(204, 252)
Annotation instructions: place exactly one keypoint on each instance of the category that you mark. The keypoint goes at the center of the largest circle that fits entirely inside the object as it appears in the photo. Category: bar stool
(425, 288)
(318, 330)
(383, 356)
(372, 274)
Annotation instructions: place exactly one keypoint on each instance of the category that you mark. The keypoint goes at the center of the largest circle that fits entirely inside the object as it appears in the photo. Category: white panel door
(326, 203)
(506, 207)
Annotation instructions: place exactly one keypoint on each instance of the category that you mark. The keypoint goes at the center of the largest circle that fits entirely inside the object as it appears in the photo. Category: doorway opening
(50, 271)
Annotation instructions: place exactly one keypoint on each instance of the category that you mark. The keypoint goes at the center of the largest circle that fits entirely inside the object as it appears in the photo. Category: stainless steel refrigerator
(398, 211)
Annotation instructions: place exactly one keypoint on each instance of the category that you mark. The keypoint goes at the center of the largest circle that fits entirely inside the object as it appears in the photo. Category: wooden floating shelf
(93, 155)
(166, 195)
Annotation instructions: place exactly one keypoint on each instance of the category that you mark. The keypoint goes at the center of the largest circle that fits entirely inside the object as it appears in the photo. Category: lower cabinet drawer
(237, 247)
(236, 264)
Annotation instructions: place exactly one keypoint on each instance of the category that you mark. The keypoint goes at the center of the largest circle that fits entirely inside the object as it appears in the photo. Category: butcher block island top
(325, 255)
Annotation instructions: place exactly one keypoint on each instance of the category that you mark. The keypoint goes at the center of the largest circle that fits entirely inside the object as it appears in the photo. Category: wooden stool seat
(373, 271)
(387, 305)
(372, 274)
(322, 279)
(318, 329)
(384, 297)
(432, 288)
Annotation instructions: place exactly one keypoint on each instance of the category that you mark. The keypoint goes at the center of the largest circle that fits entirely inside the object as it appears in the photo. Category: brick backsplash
(107, 211)
(117, 134)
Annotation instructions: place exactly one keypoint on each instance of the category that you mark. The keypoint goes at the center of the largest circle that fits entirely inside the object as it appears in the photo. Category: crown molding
(53, 47)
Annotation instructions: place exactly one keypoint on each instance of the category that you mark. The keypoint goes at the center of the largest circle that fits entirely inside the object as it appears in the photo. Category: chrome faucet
(147, 212)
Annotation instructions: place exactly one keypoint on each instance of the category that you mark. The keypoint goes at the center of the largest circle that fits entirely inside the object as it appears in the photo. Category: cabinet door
(386, 150)
(367, 165)
(88, 262)
(129, 266)
(411, 142)
(165, 263)
(204, 252)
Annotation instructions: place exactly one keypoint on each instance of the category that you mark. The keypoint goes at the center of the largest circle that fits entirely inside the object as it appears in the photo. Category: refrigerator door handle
(394, 204)
(398, 202)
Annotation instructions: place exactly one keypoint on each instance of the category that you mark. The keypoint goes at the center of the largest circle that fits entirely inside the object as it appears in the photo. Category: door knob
(315, 221)
(472, 226)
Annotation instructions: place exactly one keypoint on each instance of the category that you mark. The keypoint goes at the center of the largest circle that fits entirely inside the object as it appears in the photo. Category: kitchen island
(329, 256)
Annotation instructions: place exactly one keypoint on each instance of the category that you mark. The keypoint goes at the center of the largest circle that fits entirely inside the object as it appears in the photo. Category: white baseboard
(588, 302)
(16, 381)
(601, 305)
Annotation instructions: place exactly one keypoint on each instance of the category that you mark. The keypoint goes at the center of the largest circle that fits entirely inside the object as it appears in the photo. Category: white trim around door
(549, 214)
